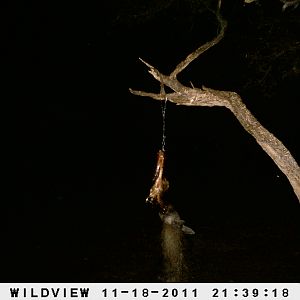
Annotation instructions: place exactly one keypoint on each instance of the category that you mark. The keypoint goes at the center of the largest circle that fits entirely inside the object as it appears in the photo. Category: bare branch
(146, 94)
(191, 57)
(209, 97)
(183, 95)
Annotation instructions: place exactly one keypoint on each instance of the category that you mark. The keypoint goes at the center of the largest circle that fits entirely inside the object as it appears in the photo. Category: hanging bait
(160, 183)
(167, 213)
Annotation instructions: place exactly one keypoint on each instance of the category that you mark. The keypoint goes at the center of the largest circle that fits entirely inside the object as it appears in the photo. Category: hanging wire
(163, 111)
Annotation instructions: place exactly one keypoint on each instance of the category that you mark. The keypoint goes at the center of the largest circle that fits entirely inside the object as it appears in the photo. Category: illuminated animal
(167, 213)
(171, 217)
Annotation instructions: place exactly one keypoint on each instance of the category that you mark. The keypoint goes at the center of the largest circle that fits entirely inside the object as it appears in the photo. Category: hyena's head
(171, 217)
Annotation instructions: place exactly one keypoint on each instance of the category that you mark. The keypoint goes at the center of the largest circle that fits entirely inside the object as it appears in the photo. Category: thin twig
(192, 56)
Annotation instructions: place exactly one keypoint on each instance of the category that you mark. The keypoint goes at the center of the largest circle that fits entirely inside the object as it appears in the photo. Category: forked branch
(183, 95)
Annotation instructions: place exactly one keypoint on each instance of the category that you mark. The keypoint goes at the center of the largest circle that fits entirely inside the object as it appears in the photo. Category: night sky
(84, 148)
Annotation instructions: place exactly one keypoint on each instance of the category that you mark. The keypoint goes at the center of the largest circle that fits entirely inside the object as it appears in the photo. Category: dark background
(84, 149)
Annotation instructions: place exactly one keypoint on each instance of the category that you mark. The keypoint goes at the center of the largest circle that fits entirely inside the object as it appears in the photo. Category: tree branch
(183, 95)
(192, 56)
